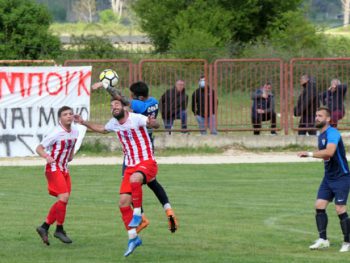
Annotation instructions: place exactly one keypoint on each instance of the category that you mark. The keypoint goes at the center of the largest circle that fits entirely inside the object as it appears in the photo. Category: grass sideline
(227, 213)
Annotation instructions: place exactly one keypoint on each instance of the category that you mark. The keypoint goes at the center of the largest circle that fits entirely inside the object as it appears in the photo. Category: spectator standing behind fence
(334, 98)
(263, 108)
(173, 105)
(307, 104)
(201, 99)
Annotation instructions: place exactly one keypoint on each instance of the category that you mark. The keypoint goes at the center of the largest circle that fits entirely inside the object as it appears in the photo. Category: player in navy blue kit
(143, 104)
(336, 181)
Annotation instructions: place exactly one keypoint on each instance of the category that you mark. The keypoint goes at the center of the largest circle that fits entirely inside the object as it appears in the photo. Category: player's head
(117, 109)
(323, 117)
(139, 90)
(65, 115)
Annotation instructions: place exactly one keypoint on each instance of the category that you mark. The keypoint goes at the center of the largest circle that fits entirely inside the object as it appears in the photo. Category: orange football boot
(144, 224)
(172, 222)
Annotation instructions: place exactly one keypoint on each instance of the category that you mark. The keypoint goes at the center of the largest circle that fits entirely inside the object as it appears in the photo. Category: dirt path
(230, 156)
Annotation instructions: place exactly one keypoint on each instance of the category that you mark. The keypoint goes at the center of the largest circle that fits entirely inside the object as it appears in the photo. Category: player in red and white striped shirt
(58, 149)
(131, 130)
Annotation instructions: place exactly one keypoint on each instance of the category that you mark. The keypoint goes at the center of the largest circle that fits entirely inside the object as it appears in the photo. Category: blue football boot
(132, 245)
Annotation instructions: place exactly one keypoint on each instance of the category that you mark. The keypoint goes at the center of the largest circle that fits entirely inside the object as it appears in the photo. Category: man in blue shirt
(143, 104)
(336, 181)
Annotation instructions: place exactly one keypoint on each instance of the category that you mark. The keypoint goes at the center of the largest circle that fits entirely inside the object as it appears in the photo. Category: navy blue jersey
(147, 107)
(337, 165)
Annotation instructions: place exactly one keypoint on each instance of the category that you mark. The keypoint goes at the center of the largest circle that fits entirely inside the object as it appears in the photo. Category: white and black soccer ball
(110, 77)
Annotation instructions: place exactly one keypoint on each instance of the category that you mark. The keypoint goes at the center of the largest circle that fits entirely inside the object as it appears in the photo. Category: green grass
(227, 213)
(96, 29)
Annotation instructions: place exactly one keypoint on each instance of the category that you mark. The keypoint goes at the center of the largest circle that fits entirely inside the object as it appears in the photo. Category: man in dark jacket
(263, 108)
(173, 104)
(201, 107)
(307, 105)
(334, 98)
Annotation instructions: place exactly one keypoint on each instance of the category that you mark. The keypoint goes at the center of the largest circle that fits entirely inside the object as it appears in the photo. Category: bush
(108, 16)
(24, 27)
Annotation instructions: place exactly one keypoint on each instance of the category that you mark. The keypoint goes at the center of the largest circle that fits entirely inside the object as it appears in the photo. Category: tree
(346, 11)
(246, 20)
(85, 10)
(24, 31)
(117, 7)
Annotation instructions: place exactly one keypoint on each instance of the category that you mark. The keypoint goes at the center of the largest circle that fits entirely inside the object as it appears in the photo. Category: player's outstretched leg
(61, 235)
(132, 245)
(43, 233)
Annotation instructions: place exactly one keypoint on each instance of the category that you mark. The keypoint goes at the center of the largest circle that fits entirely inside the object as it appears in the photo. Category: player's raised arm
(92, 126)
(152, 123)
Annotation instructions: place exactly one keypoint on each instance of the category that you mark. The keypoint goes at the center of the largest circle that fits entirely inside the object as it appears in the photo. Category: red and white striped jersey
(133, 135)
(59, 144)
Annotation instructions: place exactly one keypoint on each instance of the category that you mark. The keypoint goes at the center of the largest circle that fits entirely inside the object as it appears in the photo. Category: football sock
(322, 222)
(59, 228)
(51, 217)
(159, 191)
(136, 194)
(126, 212)
(167, 206)
(45, 226)
(345, 226)
(137, 211)
(132, 233)
(61, 208)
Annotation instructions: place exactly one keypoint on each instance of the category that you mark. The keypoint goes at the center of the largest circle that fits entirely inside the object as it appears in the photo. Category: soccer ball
(110, 77)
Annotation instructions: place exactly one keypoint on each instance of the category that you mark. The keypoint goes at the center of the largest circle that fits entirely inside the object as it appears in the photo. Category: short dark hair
(139, 88)
(326, 109)
(62, 109)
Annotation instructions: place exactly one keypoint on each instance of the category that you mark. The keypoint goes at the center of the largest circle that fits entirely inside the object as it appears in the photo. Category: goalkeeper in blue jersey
(143, 104)
(336, 181)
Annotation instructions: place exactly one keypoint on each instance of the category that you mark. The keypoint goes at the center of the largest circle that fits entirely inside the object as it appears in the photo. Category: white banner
(29, 101)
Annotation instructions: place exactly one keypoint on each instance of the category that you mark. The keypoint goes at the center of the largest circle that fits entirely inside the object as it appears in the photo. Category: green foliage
(196, 43)
(294, 36)
(94, 148)
(108, 16)
(93, 47)
(294, 33)
(227, 20)
(24, 31)
(157, 19)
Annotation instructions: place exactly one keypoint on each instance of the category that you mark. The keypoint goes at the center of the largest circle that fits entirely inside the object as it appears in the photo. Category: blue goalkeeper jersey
(147, 107)
(337, 165)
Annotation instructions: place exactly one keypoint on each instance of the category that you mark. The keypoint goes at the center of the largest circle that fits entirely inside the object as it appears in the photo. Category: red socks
(57, 213)
(136, 194)
(126, 212)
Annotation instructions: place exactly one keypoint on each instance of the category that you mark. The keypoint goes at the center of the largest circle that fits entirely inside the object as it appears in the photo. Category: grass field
(227, 213)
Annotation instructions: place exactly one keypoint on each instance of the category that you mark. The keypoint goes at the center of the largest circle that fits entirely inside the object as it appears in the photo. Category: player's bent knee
(340, 209)
(136, 177)
(124, 200)
(63, 197)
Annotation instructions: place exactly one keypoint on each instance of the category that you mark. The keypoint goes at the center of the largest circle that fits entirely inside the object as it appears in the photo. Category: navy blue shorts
(337, 189)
